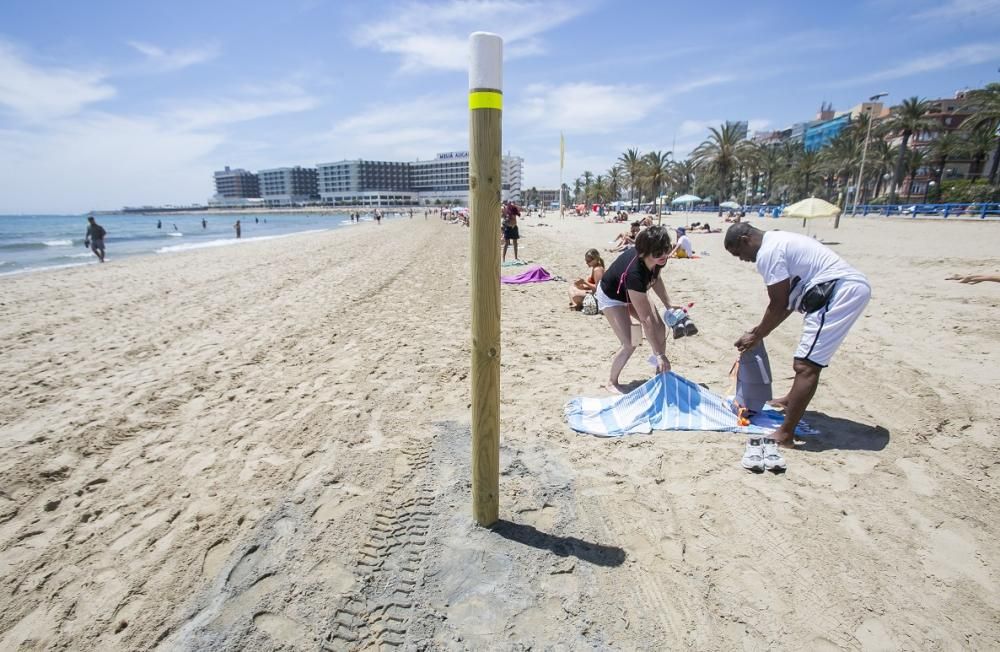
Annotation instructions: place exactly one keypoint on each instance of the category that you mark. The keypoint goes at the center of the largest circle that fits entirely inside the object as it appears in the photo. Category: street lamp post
(864, 154)
(930, 184)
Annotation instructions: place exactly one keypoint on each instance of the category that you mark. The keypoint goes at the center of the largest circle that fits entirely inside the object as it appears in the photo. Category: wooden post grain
(485, 113)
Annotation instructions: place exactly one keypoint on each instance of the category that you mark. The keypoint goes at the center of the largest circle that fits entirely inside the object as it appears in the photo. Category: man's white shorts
(825, 329)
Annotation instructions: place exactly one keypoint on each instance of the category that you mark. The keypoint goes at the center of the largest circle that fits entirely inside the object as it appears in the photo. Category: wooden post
(485, 113)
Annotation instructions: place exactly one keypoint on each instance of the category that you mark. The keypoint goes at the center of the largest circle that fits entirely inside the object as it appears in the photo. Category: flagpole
(562, 157)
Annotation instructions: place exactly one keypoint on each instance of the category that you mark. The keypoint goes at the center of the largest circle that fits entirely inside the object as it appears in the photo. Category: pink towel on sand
(534, 274)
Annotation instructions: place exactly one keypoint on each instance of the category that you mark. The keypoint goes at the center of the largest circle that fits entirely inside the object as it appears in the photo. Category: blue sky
(104, 104)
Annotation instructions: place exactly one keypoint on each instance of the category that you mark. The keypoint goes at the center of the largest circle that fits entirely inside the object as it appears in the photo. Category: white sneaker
(773, 459)
(753, 457)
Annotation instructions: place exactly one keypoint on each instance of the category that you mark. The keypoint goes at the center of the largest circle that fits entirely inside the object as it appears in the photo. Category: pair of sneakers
(684, 327)
(763, 453)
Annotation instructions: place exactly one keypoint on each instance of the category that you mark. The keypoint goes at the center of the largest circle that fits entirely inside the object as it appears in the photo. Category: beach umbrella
(686, 199)
(729, 204)
(810, 208)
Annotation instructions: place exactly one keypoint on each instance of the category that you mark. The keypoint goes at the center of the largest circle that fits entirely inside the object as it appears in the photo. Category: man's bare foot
(783, 439)
(614, 388)
(779, 403)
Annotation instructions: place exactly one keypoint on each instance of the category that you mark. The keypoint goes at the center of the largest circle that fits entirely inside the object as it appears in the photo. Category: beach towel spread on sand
(534, 274)
(666, 402)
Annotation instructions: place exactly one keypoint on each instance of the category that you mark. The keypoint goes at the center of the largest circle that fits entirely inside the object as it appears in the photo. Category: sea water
(35, 242)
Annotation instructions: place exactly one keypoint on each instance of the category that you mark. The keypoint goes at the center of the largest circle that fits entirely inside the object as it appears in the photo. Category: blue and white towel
(665, 402)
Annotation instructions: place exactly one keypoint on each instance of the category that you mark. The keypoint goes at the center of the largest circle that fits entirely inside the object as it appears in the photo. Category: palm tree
(841, 157)
(947, 145)
(986, 102)
(720, 154)
(588, 178)
(682, 176)
(883, 157)
(615, 179)
(977, 146)
(656, 172)
(631, 161)
(908, 118)
(806, 165)
(599, 191)
(915, 160)
(577, 186)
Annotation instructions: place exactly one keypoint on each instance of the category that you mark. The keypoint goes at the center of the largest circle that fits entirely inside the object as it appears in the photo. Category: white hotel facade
(443, 179)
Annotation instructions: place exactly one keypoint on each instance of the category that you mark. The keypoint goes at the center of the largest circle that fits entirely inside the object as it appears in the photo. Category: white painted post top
(485, 61)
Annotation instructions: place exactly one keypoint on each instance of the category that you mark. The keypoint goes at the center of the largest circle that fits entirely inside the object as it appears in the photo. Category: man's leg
(505, 244)
(803, 389)
(515, 249)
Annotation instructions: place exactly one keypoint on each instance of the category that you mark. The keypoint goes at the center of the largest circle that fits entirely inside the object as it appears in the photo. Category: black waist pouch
(816, 297)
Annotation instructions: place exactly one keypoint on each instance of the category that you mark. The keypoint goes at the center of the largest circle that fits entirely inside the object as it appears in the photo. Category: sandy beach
(267, 446)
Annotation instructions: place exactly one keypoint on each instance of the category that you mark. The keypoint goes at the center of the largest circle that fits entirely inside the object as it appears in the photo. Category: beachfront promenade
(267, 445)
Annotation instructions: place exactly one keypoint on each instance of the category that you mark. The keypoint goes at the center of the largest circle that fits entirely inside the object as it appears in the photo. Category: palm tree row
(728, 166)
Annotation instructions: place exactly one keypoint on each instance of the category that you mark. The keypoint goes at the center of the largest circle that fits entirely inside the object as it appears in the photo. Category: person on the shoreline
(582, 287)
(204, 223)
(256, 220)
(175, 227)
(159, 224)
(378, 216)
(238, 229)
(623, 293)
(510, 213)
(95, 238)
(800, 274)
(683, 248)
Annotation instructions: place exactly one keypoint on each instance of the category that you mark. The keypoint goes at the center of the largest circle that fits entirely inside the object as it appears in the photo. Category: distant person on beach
(683, 248)
(204, 223)
(623, 293)
(175, 227)
(800, 274)
(238, 229)
(95, 238)
(973, 279)
(256, 220)
(625, 240)
(509, 215)
(159, 224)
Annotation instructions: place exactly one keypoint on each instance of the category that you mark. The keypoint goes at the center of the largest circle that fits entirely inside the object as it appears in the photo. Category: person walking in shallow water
(95, 238)
(238, 229)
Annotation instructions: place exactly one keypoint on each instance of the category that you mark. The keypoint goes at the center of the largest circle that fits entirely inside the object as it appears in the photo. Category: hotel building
(288, 186)
(236, 184)
(443, 179)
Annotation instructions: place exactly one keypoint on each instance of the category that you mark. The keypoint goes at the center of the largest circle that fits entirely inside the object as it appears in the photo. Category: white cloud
(427, 126)
(701, 82)
(583, 107)
(37, 94)
(964, 55)
(202, 115)
(435, 36)
(166, 60)
(104, 161)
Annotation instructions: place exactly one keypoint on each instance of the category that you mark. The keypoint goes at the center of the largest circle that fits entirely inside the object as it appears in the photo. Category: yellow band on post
(485, 100)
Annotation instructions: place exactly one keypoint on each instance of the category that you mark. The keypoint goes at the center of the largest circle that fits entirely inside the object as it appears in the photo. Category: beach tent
(686, 199)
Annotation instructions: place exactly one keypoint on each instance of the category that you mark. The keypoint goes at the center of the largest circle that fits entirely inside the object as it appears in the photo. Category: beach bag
(589, 304)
